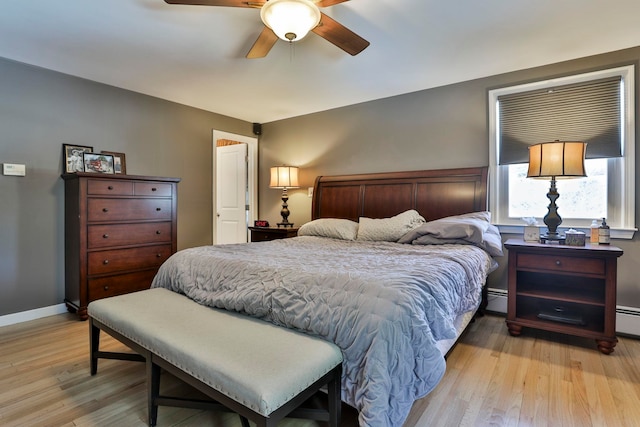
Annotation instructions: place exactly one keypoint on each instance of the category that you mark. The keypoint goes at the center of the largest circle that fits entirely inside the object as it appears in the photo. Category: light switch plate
(14, 169)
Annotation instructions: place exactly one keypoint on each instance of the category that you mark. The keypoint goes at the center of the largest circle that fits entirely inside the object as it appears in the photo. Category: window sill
(616, 233)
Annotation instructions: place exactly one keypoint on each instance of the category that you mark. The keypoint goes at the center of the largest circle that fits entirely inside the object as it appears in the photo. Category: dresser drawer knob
(105, 236)
(158, 232)
(154, 189)
(158, 255)
(158, 209)
(558, 262)
(106, 288)
(105, 210)
(105, 262)
(110, 187)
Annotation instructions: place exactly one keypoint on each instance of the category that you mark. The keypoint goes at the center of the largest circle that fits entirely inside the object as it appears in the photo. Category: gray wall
(39, 111)
(445, 127)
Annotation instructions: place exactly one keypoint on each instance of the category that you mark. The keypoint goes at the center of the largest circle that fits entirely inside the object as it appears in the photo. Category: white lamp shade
(290, 19)
(557, 159)
(284, 177)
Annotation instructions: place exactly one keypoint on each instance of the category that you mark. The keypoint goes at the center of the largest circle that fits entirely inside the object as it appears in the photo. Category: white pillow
(389, 229)
(334, 228)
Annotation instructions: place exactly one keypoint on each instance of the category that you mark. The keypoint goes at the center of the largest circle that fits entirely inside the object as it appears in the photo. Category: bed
(395, 309)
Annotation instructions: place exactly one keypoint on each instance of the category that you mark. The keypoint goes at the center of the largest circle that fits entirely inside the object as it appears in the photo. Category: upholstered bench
(259, 370)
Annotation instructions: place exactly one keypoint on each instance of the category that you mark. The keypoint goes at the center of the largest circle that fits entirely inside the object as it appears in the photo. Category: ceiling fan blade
(263, 44)
(228, 3)
(327, 3)
(336, 33)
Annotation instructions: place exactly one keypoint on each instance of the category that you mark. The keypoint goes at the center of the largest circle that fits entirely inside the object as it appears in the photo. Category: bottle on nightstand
(604, 233)
(595, 232)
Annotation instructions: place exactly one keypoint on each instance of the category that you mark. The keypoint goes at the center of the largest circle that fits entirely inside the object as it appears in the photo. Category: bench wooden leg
(335, 401)
(94, 345)
(153, 390)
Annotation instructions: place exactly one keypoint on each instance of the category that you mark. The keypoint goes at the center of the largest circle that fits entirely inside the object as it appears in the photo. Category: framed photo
(98, 163)
(72, 157)
(119, 162)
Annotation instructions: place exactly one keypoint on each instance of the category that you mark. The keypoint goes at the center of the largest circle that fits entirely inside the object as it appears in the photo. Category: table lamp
(284, 177)
(556, 160)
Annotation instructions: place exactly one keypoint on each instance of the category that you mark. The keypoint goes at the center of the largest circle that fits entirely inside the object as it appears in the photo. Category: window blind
(588, 111)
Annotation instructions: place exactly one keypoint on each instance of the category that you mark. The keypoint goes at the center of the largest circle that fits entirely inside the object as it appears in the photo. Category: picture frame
(119, 162)
(72, 157)
(98, 163)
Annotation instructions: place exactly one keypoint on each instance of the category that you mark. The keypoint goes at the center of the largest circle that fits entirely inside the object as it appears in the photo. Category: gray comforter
(384, 304)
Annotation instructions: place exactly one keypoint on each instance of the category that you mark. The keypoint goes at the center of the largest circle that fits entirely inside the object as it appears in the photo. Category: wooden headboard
(433, 193)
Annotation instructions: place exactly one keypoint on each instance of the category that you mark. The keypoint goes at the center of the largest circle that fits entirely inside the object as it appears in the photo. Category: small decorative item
(531, 230)
(72, 157)
(98, 163)
(594, 232)
(119, 162)
(604, 233)
(575, 238)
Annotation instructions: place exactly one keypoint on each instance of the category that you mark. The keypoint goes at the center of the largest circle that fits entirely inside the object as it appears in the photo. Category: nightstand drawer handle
(158, 255)
(154, 189)
(558, 262)
(105, 262)
(158, 232)
(106, 288)
(105, 210)
(105, 236)
(158, 209)
(110, 187)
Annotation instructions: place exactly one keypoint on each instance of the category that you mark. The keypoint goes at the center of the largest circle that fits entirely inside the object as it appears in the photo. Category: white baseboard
(24, 316)
(627, 318)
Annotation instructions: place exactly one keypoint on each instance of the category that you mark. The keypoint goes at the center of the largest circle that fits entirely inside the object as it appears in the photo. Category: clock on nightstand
(566, 289)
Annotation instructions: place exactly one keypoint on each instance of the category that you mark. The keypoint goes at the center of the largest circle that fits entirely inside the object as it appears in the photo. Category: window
(608, 128)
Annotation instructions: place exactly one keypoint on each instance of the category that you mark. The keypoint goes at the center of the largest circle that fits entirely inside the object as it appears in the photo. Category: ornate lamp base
(284, 212)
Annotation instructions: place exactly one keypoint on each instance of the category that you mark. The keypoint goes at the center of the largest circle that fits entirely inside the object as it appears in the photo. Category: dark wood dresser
(119, 229)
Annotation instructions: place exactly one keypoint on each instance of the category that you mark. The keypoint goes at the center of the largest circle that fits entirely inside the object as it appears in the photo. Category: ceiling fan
(291, 20)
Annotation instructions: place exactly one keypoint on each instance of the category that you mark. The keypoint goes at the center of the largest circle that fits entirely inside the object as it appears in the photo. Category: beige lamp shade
(284, 177)
(557, 159)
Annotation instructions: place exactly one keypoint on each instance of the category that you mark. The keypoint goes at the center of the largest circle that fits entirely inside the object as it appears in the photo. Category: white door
(231, 194)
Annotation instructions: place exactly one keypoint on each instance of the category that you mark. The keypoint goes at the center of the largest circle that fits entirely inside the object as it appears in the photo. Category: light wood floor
(492, 379)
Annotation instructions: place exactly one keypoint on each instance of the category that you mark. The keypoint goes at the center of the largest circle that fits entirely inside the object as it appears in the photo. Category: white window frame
(620, 170)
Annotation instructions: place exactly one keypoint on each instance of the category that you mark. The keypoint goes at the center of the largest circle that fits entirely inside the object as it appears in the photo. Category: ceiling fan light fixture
(290, 20)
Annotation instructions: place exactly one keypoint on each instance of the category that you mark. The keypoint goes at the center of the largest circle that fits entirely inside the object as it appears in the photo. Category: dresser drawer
(561, 263)
(102, 187)
(127, 259)
(128, 209)
(120, 284)
(103, 236)
(157, 189)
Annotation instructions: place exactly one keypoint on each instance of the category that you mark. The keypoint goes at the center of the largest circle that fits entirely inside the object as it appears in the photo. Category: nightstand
(566, 289)
(262, 234)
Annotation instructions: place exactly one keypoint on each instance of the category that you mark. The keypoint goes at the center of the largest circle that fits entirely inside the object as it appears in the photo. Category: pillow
(469, 227)
(333, 228)
(389, 229)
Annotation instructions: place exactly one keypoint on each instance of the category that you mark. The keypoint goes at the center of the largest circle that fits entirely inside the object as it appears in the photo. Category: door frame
(252, 175)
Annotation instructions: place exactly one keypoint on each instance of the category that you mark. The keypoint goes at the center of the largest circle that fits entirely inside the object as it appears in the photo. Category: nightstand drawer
(561, 263)
(263, 234)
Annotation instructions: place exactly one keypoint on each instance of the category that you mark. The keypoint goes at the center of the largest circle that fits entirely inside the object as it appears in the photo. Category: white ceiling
(194, 55)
